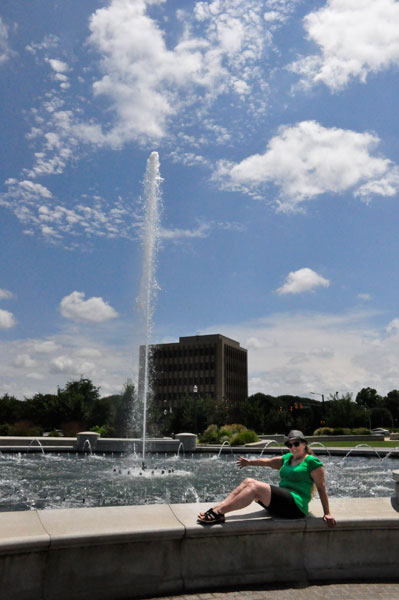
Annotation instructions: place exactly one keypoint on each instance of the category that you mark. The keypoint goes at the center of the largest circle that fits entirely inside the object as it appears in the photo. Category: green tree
(10, 409)
(381, 417)
(128, 412)
(368, 398)
(43, 410)
(76, 403)
(343, 412)
(391, 402)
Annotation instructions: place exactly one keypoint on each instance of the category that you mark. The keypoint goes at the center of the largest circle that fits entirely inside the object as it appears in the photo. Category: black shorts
(282, 504)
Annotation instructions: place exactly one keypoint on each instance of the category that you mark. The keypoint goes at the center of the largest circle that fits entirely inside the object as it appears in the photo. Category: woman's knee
(249, 481)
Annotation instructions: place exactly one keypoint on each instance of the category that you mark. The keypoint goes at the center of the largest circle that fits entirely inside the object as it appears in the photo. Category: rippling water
(62, 481)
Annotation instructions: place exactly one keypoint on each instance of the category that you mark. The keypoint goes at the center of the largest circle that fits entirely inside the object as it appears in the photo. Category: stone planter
(189, 440)
(86, 441)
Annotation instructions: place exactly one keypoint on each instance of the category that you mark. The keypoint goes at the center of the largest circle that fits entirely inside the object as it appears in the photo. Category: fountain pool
(45, 481)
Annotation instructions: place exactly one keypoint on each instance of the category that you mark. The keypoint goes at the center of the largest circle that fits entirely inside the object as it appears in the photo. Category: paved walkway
(332, 591)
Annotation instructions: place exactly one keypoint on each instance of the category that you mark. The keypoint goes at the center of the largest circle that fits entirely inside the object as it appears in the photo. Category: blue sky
(277, 132)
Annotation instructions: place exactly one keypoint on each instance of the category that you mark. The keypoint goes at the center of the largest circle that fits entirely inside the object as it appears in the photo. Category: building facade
(202, 365)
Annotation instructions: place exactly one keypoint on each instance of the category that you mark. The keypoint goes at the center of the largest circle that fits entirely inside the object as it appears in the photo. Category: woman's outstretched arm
(273, 463)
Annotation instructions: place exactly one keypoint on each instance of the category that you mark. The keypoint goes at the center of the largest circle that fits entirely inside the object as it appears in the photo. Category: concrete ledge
(125, 552)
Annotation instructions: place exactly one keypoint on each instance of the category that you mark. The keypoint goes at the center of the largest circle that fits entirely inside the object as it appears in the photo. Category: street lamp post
(322, 402)
(195, 392)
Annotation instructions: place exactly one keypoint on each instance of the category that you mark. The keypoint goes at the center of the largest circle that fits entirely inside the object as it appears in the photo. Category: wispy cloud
(393, 326)
(306, 160)
(303, 280)
(355, 37)
(148, 82)
(303, 352)
(39, 211)
(7, 319)
(156, 86)
(6, 294)
(92, 310)
(5, 50)
(37, 365)
(202, 230)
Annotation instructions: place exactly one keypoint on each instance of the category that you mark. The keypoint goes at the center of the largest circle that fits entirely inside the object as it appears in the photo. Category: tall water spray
(149, 286)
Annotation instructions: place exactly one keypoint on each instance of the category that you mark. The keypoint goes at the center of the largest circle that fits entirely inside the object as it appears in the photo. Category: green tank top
(297, 480)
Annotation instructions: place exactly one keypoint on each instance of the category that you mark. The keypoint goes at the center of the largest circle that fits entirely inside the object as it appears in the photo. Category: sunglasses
(290, 444)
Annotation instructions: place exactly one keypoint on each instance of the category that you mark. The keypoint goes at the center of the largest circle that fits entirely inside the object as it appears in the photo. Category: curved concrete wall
(120, 553)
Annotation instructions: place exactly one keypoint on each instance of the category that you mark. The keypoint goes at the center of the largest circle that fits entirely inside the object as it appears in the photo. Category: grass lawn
(374, 443)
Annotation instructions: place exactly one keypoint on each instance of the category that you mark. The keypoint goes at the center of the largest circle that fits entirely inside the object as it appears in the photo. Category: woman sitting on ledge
(299, 470)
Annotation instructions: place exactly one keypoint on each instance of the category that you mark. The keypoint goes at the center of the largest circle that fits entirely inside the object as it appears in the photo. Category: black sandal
(211, 517)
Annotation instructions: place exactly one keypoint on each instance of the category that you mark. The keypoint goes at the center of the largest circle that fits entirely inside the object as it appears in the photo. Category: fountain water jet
(38, 443)
(149, 286)
(320, 445)
(362, 446)
(225, 443)
(269, 443)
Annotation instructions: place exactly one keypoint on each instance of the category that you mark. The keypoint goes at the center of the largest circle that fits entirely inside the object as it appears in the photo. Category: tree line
(264, 413)
(78, 406)
(75, 407)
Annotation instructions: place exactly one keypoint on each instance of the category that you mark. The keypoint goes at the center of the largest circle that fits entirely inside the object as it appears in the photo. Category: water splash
(149, 287)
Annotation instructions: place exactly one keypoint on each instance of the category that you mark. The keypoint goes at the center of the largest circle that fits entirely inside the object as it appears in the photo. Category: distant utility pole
(322, 403)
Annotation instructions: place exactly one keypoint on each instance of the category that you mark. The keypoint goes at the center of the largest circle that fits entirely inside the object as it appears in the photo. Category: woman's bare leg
(243, 495)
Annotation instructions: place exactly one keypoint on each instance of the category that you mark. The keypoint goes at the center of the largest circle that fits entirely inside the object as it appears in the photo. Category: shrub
(244, 437)
(5, 429)
(225, 433)
(104, 430)
(342, 431)
(324, 431)
(25, 428)
(361, 431)
(210, 435)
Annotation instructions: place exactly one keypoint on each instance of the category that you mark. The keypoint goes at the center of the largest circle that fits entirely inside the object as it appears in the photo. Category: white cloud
(7, 319)
(23, 360)
(35, 206)
(306, 160)
(393, 326)
(356, 37)
(303, 280)
(62, 364)
(299, 353)
(201, 231)
(6, 294)
(45, 347)
(58, 66)
(37, 365)
(31, 189)
(364, 297)
(92, 310)
(149, 82)
(5, 50)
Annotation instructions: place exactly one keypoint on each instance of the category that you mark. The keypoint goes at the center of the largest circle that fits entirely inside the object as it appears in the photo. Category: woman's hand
(242, 462)
(329, 519)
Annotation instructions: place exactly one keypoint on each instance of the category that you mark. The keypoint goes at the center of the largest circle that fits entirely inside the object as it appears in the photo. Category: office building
(203, 365)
